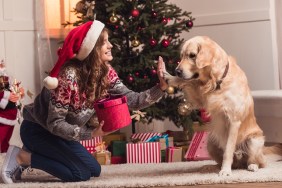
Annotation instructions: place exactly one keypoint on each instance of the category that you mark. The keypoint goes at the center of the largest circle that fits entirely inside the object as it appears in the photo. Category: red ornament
(204, 116)
(165, 43)
(189, 24)
(130, 78)
(153, 42)
(164, 21)
(154, 14)
(135, 13)
(137, 73)
(145, 76)
(153, 72)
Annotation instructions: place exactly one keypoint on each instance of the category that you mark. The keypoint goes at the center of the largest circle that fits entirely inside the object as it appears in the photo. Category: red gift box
(173, 154)
(144, 136)
(114, 111)
(147, 152)
(118, 160)
(91, 144)
(198, 147)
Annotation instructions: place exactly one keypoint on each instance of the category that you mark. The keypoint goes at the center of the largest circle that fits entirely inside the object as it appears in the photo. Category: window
(58, 12)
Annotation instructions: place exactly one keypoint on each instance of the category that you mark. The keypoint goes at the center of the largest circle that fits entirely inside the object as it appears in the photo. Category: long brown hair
(93, 80)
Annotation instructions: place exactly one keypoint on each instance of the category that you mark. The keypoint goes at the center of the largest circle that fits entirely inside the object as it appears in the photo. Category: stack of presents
(172, 146)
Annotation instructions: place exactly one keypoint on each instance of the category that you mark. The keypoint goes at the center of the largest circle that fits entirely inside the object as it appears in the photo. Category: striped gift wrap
(146, 152)
(144, 136)
(91, 144)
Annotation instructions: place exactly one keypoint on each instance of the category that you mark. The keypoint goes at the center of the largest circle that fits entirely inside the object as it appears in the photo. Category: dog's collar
(223, 76)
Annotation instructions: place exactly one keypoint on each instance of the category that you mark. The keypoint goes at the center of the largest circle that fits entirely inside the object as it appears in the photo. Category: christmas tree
(141, 31)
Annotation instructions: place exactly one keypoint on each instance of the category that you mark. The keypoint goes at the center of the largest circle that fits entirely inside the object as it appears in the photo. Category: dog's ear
(204, 56)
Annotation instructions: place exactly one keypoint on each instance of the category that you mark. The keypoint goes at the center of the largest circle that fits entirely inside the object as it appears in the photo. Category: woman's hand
(161, 68)
(14, 97)
(99, 131)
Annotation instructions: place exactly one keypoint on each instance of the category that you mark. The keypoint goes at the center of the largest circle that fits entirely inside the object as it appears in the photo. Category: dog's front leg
(230, 148)
(173, 81)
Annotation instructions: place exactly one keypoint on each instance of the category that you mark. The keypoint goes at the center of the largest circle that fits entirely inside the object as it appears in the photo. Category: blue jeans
(64, 159)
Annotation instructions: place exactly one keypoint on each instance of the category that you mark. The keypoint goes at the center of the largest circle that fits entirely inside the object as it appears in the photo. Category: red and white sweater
(62, 111)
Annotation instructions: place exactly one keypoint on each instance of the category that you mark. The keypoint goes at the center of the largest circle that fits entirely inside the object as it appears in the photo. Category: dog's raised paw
(253, 167)
(167, 76)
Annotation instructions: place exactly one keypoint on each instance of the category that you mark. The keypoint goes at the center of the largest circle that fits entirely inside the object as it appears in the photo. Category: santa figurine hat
(78, 44)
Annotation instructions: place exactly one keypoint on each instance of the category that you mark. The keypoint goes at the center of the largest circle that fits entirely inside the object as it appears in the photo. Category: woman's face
(105, 52)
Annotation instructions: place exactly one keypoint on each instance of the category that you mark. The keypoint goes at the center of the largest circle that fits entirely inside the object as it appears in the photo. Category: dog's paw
(170, 80)
(225, 172)
(167, 76)
(253, 167)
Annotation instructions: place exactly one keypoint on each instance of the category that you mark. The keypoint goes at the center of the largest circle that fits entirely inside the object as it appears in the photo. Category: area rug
(153, 175)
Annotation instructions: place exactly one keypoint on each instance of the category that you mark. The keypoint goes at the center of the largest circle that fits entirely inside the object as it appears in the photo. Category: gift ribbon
(137, 115)
(170, 152)
(157, 138)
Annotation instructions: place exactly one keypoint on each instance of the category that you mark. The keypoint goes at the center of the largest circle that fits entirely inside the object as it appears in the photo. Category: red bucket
(114, 111)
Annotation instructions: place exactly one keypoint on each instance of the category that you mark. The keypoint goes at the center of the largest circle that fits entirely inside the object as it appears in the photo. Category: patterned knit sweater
(61, 111)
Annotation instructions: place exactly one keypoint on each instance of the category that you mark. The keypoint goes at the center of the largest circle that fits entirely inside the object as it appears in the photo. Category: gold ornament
(170, 90)
(184, 109)
(135, 42)
(183, 100)
(113, 18)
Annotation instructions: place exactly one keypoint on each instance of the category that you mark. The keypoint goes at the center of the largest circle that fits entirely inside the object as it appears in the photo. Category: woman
(59, 116)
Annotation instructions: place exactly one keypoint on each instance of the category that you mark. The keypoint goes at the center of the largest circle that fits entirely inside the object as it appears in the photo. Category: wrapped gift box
(147, 152)
(142, 137)
(166, 142)
(184, 151)
(118, 160)
(118, 148)
(111, 137)
(114, 112)
(173, 154)
(163, 155)
(103, 158)
(91, 144)
(198, 147)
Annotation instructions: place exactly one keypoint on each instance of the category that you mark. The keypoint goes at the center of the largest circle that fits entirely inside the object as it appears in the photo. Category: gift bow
(137, 115)
(157, 138)
(100, 147)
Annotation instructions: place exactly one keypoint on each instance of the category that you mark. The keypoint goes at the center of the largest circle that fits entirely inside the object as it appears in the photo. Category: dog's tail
(273, 153)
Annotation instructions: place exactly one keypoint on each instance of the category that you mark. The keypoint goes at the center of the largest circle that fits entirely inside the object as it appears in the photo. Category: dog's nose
(178, 72)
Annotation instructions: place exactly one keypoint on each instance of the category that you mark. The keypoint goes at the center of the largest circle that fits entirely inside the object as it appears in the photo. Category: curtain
(44, 55)
(278, 16)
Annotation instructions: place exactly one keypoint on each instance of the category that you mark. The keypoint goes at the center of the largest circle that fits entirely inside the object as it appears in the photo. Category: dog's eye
(192, 55)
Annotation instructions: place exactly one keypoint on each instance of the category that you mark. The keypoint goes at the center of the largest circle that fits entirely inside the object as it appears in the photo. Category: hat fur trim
(90, 39)
(50, 82)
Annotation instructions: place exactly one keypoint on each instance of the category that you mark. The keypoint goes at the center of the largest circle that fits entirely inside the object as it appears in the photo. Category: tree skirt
(150, 175)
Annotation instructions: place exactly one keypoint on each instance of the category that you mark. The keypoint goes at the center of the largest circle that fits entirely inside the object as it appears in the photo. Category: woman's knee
(85, 174)
(81, 175)
(95, 172)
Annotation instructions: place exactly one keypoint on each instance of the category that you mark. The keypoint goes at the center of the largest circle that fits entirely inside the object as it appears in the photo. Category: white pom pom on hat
(79, 43)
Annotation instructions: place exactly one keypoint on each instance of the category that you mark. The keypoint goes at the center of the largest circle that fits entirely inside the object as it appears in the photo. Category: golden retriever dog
(211, 79)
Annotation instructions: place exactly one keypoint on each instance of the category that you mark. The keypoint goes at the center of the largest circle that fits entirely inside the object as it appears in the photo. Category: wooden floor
(237, 185)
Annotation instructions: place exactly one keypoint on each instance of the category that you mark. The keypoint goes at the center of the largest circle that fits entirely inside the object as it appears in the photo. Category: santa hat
(78, 44)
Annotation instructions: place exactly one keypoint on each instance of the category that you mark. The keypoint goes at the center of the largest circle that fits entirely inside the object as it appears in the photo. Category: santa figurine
(10, 95)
